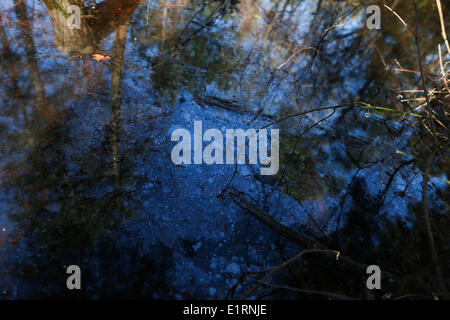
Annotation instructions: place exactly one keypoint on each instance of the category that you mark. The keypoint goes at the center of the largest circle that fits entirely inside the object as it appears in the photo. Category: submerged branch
(301, 239)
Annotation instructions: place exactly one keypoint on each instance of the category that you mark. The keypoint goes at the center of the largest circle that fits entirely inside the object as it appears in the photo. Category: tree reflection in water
(85, 165)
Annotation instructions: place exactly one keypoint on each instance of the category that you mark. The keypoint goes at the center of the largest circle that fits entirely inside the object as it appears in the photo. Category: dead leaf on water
(99, 57)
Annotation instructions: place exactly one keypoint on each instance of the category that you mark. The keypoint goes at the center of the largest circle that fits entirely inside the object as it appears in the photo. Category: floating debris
(98, 57)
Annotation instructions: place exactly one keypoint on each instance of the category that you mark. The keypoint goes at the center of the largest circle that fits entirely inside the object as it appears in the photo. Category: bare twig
(281, 266)
(293, 55)
(416, 36)
(441, 18)
(341, 205)
(307, 291)
(391, 178)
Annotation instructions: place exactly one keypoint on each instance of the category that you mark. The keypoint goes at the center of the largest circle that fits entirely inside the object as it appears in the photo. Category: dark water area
(87, 178)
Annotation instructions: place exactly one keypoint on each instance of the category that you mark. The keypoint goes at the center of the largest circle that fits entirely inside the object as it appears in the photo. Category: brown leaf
(99, 57)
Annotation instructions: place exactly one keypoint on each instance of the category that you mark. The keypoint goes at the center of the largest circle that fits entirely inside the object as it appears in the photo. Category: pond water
(87, 115)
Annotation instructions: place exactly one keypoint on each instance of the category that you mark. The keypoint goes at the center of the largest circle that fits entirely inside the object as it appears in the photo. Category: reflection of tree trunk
(70, 41)
(428, 229)
(12, 76)
(109, 16)
(118, 50)
(28, 42)
(100, 22)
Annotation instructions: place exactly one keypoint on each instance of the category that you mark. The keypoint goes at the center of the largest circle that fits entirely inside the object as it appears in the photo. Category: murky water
(86, 121)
